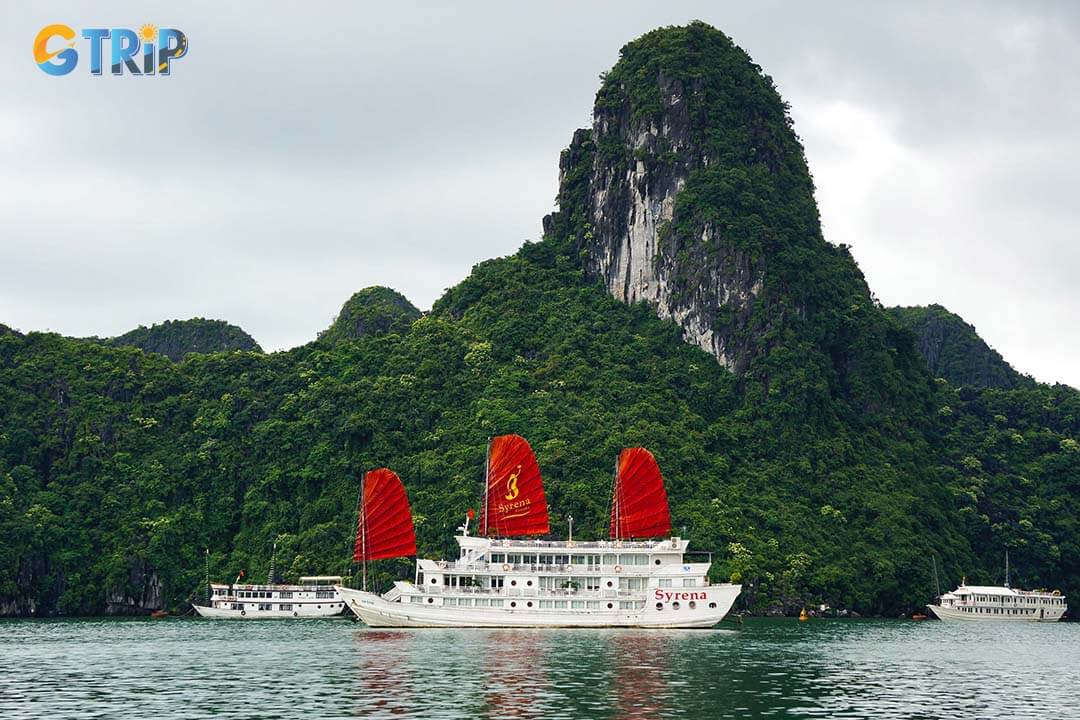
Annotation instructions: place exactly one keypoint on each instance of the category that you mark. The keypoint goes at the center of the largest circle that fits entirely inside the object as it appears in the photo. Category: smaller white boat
(314, 597)
(983, 602)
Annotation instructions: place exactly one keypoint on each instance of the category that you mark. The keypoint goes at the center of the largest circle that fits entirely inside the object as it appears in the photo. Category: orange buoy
(803, 615)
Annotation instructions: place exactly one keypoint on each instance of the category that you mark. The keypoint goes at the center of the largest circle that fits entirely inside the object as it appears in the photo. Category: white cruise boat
(502, 580)
(314, 597)
(1001, 603)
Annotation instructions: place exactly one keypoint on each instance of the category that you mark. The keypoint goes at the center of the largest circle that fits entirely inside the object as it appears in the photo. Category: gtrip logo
(146, 52)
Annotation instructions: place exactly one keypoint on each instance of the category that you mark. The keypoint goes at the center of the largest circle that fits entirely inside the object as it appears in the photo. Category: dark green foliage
(954, 351)
(828, 469)
(177, 338)
(372, 311)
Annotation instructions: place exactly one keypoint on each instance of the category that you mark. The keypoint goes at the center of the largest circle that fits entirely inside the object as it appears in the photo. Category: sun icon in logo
(148, 33)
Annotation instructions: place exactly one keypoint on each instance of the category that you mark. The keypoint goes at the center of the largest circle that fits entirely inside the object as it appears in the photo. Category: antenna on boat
(1006, 568)
(937, 585)
(209, 590)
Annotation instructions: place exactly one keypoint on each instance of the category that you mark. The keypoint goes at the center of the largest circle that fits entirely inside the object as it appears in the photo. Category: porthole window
(660, 606)
(712, 606)
(693, 604)
(529, 604)
(513, 582)
(609, 606)
(675, 605)
(609, 583)
(434, 581)
(431, 600)
(657, 561)
(529, 583)
(513, 603)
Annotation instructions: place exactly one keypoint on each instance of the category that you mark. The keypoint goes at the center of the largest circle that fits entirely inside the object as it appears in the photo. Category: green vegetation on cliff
(828, 468)
(177, 338)
(372, 311)
(954, 351)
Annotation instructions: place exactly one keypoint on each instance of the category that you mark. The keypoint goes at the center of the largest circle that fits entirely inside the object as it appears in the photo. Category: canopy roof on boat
(514, 500)
(385, 527)
(639, 505)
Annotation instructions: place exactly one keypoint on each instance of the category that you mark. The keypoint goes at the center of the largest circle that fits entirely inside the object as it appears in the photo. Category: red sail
(639, 508)
(385, 529)
(514, 503)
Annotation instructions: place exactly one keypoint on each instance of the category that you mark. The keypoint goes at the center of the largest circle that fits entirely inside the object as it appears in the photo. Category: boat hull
(950, 614)
(376, 611)
(299, 612)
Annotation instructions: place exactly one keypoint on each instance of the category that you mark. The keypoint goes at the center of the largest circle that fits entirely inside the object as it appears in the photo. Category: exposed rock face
(371, 311)
(688, 179)
(954, 351)
(142, 595)
(177, 338)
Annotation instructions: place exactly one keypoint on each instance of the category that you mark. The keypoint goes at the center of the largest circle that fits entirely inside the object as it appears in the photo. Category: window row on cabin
(586, 559)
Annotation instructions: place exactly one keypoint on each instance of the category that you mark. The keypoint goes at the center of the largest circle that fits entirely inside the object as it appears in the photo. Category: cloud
(298, 154)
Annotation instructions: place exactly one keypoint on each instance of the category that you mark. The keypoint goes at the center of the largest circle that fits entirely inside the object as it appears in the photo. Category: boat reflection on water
(641, 684)
(379, 669)
(515, 671)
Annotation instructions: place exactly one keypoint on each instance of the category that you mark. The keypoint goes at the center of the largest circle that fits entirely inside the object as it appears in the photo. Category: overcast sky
(302, 151)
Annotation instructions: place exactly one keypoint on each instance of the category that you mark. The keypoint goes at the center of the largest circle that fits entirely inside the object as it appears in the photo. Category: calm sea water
(333, 668)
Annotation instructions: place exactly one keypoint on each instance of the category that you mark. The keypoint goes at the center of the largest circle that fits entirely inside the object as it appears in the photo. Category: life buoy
(243, 612)
(506, 567)
(618, 568)
(442, 563)
(295, 614)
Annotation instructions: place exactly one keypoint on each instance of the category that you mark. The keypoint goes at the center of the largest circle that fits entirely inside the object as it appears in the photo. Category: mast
(363, 527)
(487, 469)
(615, 498)
(1006, 568)
(273, 563)
(937, 585)
(209, 590)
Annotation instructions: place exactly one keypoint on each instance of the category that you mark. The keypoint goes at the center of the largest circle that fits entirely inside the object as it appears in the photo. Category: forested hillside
(808, 447)
(176, 338)
(954, 351)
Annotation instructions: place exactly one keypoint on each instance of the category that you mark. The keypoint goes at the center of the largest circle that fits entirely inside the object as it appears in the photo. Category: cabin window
(464, 601)
(592, 583)
(449, 601)
(324, 594)
(577, 604)
(628, 583)
(416, 599)
(689, 582)
(593, 605)
(611, 559)
(482, 602)
(285, 594)
(496, 602)
(498, 557)
(265, 606)
(665, 582)
(548, 582)
(633, 559)
(562, 559)
(629, 605)
(287, 607)
(560, 604)
(496, 582)
(547, 559)
(546, 604)
(577, 559)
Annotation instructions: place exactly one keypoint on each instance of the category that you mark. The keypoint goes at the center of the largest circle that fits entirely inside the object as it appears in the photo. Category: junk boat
(502, 579)
(314, 597)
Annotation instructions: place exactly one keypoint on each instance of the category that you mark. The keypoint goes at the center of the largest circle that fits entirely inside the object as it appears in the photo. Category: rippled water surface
(319, 669)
